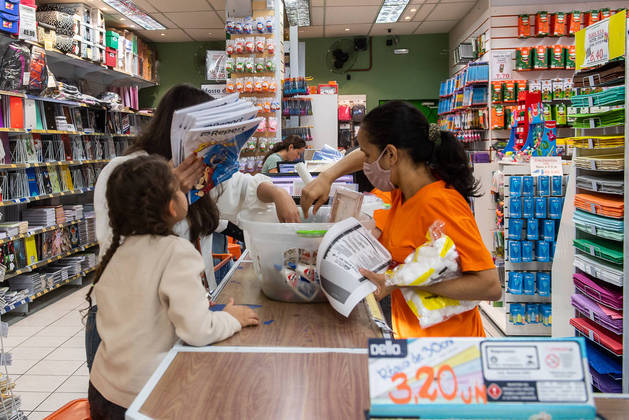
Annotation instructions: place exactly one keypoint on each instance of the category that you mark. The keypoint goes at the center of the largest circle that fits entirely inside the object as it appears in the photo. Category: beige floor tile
(20, 331)
(30, 400)
(58, 331)
(59, 399)
(75, 383)
(10, 342)
(82, 371)
(39, 415)
(55, 367)
(76, 341)
(31, 353)
(20, 367)
(67, 353)
(39, 341)
(39, 383)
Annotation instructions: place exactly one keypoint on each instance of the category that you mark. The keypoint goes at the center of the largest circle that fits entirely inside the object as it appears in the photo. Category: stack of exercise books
(29, 281)
(40, 216)
(612, 162)
(604, 205)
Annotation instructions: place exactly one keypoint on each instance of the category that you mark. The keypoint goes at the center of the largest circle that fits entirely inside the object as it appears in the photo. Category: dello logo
(380, 347)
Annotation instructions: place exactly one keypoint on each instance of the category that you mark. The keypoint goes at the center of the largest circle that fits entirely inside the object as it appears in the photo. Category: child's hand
(246, 316)
(189, 172)
(285, 207)
(378, 280)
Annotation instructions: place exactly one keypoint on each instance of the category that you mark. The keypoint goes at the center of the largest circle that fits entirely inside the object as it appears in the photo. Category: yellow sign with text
(601, 42)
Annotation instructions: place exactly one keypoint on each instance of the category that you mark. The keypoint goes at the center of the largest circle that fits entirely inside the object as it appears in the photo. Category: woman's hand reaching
(189, 172)
(285, 207)
(379, 281)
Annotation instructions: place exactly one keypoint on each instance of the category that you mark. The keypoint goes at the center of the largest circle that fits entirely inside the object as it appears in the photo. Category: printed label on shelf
(593, 208)
(594, 186)
(546, 165)
(28, 23)
(593, 230)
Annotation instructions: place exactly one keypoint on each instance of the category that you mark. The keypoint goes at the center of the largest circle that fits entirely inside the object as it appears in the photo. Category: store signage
(28, 23)
(546, 165)
(601, 42)
(502, 65)
(478, 377)
(217, 91)
(215, 65)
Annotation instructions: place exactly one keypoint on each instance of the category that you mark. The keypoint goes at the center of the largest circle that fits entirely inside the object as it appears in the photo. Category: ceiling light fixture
(163, 34)
(407, 18)
(298, 12)
(413, 10)
(346, 29)
(391, 11)
(134, 13)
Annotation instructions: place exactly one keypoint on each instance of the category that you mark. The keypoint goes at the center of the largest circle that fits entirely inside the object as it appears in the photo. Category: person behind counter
(148, 287)
(427, 172)
(226, 201)
(288, 150)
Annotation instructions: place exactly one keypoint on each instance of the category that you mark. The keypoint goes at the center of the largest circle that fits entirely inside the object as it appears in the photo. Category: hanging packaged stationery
(543, 284)
(62, 22)
(515, 283)
(496, 92)
(559, 27)
(497, 117)
(571, 56)
(270, 46)
(605, 13)
(524, 26)
(591, 17)
(542, 24)
(541, 57)
(528, 283)
(14, 71)
(38, 71)
(522, 90)
(250, 45)
(557, 57)
(574, 22)
(508, 92)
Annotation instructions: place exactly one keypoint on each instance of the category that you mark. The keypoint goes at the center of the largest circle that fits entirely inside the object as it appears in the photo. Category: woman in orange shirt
(429, 177)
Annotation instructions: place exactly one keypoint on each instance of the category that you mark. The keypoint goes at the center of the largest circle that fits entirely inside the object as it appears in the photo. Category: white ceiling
(203, 20)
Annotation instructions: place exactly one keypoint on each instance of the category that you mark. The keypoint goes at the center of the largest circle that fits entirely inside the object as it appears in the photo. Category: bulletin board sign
(601, 42)
(480, 378)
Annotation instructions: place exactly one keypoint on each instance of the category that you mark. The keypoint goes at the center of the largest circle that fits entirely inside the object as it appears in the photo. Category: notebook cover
(49, 115)
(20, 254)
(593, 311)
(33, 187)
(17, 111)
(30, 114)
(38, 115)
(606, 338)
(608, 294)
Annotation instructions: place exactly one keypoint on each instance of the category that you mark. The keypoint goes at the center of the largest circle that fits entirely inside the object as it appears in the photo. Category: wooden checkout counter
(304, 361)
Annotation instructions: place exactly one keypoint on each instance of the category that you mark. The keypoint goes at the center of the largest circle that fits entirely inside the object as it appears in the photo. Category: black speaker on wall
(360, 43)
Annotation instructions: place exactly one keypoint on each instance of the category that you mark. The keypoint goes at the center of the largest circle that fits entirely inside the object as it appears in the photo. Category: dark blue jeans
(92, 339)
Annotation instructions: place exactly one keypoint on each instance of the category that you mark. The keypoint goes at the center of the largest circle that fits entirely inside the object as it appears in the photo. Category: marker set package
(433, 262)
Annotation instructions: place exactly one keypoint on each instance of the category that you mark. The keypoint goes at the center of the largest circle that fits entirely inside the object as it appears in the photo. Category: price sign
(546, 165)
(502, 65)
(480, 378)
(28, 23)
(597, 44)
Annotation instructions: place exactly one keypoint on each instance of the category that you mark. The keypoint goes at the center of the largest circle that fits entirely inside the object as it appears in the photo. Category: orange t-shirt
(404, 229)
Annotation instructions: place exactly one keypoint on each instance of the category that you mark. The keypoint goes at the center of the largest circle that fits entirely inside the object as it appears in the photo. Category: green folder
(600, 248)
(40, 125)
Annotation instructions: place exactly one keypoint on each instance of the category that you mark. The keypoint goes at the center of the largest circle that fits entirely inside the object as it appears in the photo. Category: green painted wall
(415, 75)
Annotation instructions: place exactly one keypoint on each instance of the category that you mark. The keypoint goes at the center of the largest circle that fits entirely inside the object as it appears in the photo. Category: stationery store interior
(313, 209)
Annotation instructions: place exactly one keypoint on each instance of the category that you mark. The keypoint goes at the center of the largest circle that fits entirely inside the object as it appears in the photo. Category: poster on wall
(217, 91)
(501, 65)
(215, 65)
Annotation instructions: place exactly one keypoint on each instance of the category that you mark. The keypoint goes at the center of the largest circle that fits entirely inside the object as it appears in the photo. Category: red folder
(16, 108)
(598, 334)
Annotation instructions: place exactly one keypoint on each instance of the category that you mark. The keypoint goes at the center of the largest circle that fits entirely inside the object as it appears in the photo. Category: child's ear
(172, 208)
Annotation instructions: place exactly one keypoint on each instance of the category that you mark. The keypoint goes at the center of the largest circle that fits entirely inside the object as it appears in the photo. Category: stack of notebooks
(10, 228)
(600, 292)
(29, 281)
(612, 73)
(607, 97)
(40, 216)
(604, 118)
(604, 227)
(89, 261)
(54, 275)
(9, 297)
(600, 314)
(606, 271)
(604, 205)
(606, 338)
(613, 162)
(609, 184)
(606, 369)
(87, 229)
(606, 250)
(73, 212)
(598, 142)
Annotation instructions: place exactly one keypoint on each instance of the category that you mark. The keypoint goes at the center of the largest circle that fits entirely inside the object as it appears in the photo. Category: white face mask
(379, 178)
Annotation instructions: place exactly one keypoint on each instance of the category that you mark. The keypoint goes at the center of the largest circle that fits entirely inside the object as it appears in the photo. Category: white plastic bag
(433, 262)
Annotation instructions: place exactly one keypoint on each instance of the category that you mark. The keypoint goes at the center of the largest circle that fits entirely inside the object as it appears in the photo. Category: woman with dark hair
(429, 177)
(288, 150)
(226, 201)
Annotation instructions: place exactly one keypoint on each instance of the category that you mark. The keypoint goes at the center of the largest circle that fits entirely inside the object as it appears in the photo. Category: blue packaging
(515, 283)
(527, 251)
(554, 207)
(528, 186)
(532, 229)
(516, 207)
(515, 251)
(516, 314)
(515, 229)
(540, 207)
(515, 186)
(543, 284)
(528, 283)
(546, 313)
(549, 230)
(557, 186)
(543, 186)
(532, 313)
(542, 251)
(528, 207)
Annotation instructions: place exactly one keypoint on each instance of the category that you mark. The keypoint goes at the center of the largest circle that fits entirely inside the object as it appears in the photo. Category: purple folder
(608, 295)
(605, 383)
(608, 318)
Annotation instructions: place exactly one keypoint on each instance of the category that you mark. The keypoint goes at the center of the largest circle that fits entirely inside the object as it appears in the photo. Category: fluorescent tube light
(298, 12)
(391, 11)
(134, 13)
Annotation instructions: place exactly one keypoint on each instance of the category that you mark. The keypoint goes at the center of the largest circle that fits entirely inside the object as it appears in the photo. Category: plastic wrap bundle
(64, 44)
(433, 262)
(15, 63)
(63, 22)
(38, 70)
